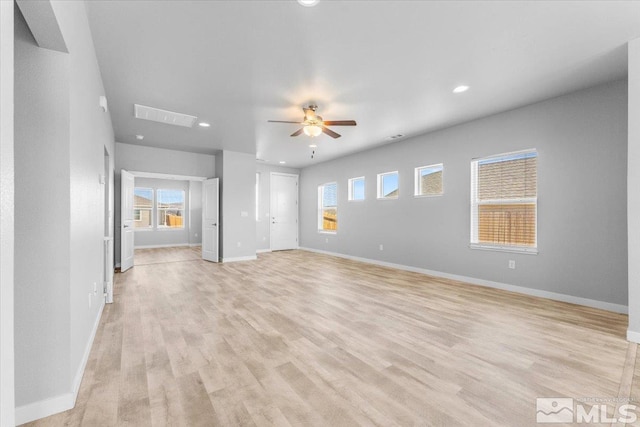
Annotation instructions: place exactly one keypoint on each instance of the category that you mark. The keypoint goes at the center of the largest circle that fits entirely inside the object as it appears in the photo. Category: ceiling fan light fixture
(308, 3)
(312, 130)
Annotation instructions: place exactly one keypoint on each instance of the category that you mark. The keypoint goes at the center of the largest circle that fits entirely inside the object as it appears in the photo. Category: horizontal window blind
(504, 196)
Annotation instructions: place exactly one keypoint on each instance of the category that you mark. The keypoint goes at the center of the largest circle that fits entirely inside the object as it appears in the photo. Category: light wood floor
(297, 338)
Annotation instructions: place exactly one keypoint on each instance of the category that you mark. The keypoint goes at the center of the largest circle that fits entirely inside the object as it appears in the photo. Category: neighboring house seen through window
(428, 180)
(388, 185)
(328, 207)
(504, 202)
(142, 208)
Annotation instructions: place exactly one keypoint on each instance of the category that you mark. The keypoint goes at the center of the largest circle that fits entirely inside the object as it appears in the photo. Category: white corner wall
(60, 142)
(633, 195)
(7, 394)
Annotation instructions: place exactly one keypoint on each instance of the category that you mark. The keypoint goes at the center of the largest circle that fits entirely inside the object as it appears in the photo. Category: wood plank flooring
(297, 338)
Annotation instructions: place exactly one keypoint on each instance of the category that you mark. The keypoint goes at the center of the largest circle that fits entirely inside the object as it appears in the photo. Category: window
(328, 207)
(388, 185)
(170, 208)
(504, 202)
(142, 208)
(429, 180)
(356, 188)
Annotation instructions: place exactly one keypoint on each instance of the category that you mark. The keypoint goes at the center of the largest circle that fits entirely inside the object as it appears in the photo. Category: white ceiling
(389, 65)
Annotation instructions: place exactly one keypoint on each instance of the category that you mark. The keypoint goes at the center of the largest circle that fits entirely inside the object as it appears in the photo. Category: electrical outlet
(381, 247)
(512, 264)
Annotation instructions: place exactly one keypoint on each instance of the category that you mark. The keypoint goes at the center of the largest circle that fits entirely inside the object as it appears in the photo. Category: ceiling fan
(313, 125)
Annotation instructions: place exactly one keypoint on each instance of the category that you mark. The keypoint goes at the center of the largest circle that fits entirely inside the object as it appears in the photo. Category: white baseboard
(171, 245)
(617, 308)
(64, 402)
(261, 251)
(633, 336)
(44, 408)
(240, 258)
(193, 245)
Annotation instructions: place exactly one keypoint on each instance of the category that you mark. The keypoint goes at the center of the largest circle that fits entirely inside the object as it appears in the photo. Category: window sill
(327, 232)
(170, 228)
(387, 198)
(512, 249)
(421, 196)
(143, 229)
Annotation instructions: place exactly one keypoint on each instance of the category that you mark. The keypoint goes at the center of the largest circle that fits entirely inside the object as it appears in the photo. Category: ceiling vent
(164, 116)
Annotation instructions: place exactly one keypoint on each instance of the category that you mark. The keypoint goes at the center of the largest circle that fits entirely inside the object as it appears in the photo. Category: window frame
(158, 209)
(380, 186)
(351, 191)
(417, 184)
(321, 208)
(475, 203)
(151, 210)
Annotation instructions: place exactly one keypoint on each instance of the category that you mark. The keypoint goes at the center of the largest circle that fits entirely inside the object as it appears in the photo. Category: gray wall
(263, 225)
(157, 160)
(237, 208)
(582, 236)
(61, 136)
(163, 237)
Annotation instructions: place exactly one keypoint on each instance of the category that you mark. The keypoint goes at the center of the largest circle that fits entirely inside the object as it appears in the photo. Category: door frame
(297, 177)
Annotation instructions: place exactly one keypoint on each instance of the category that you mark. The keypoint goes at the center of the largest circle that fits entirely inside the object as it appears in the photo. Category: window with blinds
(504, 201)
(328, 207)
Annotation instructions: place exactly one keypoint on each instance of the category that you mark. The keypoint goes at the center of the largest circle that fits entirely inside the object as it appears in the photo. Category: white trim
(64, 402)
(240, 258)
(193, 245)
(497, 248)
(171, 245)
(616, 308)
(261, 251)
(44, 408)
(633, 336)
(139, 174)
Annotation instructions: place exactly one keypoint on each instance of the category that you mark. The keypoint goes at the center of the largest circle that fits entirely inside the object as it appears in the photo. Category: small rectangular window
(388, 185)
(356, 188)
(504, 202)
(428, 180)
(142, 208)
(170, 208)
(328, 207)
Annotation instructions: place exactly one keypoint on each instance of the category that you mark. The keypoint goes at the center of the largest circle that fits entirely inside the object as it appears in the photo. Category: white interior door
(126, 220)
(284, 211)
(210, 220)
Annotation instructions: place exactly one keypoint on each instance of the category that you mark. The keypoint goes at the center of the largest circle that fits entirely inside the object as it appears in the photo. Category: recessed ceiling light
(312, 146)
(282, 162)
(140, 137)
(460, 89)
(308, 3)
(204, 125)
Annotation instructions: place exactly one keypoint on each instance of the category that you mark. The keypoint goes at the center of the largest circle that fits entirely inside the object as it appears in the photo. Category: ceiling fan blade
(340, 123)
(283, 121)
(298, 132)
(330, 132)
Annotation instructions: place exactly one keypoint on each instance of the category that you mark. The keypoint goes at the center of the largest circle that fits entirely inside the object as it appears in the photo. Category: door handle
(215, 225)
